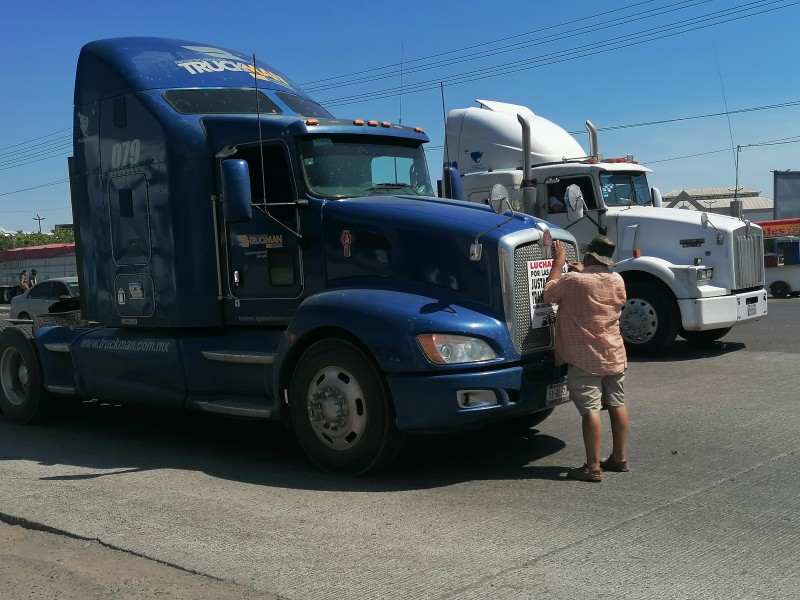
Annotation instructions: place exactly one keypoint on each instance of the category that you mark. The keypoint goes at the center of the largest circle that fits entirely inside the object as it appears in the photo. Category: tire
(25, 316)
(23, 398)
(649, 320)
(6, 295)
(341, 413)
(705, 337)
(779, 289)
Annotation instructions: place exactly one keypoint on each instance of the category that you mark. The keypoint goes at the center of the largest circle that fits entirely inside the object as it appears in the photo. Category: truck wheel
(704, 337)
(6, 295)
(779, 289)
(24, 316)
(649, 320)
(341, 413)
(23, 398)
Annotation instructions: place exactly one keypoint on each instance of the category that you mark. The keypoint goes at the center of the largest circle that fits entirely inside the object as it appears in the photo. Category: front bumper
(700, 314)
(436, 402)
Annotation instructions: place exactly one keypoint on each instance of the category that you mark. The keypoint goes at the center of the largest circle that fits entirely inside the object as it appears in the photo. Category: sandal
(611, 464)
(584, 474)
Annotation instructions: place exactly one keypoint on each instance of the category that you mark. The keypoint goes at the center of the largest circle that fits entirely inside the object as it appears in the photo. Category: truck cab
(245, 253)
(686, 273)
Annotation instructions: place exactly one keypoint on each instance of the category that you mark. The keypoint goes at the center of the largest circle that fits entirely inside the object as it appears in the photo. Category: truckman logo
(222, 60)
(347, 242)
(268, 241)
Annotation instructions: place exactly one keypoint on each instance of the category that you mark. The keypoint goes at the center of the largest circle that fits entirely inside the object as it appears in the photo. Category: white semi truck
(691, 274)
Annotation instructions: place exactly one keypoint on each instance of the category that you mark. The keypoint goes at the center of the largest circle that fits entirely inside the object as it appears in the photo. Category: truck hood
(676, 235)
(421, 244)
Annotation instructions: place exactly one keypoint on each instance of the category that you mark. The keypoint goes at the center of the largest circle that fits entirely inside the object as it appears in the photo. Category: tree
(22, 240)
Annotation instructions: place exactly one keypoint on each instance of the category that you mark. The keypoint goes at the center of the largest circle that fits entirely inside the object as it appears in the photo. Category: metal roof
(717, 198)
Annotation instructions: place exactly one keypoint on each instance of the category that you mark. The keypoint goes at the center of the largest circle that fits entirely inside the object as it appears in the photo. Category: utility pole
(40, 219)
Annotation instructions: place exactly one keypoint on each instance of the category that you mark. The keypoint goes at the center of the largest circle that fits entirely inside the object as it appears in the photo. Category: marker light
(705, 274)
(418, 129)
(386, 124)
(358, 122)
(447, 349)
(637, 253)
(312, 122)
(372, 123)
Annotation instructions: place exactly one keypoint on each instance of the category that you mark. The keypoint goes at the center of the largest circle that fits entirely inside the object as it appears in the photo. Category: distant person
(556, 200)
(588, 340)
(23, 282)
(32, 278)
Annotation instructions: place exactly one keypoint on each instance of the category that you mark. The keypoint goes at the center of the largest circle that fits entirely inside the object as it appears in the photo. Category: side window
(587, 189)
(271, 180)
(59, 289)
(40, 291)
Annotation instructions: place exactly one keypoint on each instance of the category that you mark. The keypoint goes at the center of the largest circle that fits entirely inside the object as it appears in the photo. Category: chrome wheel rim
(639, 321)
(336, 408)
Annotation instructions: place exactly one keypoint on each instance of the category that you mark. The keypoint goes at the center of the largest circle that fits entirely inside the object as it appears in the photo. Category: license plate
(751, 310)
(557, 393)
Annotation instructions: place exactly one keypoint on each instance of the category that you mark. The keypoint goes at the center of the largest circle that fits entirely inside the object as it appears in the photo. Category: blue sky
(616, 63)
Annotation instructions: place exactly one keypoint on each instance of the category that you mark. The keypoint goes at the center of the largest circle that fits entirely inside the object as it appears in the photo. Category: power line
(656, 33)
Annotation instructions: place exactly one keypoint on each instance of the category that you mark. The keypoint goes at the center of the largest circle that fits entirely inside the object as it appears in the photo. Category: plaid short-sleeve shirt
(587, 325)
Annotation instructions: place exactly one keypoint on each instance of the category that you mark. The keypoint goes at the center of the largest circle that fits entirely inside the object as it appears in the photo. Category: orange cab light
(637, 253)
(418, 129)
(372, 123)
(386, 124)
(312, 122)
(358, 122)
(592, 161)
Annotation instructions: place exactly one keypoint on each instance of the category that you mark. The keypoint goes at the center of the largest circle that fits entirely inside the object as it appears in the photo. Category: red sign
(780, 227)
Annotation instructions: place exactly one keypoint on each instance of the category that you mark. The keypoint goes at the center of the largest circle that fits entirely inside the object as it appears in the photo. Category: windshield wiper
(393, 186)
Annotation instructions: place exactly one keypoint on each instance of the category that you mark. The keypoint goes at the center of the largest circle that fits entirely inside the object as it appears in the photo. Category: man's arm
(559, 260)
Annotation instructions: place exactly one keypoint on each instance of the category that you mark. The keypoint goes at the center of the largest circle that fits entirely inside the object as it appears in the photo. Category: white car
(38, 299)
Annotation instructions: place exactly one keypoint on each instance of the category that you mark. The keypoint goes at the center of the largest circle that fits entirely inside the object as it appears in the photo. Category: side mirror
(499, 198)
(236, 196)
(573, 198)
(451, 182)
(656, 195)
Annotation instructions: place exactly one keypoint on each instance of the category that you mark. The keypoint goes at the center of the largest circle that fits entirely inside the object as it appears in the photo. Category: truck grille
(527, 338)
(748, 261)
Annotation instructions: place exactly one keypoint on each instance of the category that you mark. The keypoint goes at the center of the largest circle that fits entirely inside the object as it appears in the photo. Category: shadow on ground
(110, 440)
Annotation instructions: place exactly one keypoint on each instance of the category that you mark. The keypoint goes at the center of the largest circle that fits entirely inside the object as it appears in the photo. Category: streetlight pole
(40, 219)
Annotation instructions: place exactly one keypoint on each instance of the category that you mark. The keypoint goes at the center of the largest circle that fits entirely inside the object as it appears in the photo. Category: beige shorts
(593, 392)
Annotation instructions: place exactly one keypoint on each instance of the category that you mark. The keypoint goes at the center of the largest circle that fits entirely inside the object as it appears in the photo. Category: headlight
(705, 274)
(446, 349)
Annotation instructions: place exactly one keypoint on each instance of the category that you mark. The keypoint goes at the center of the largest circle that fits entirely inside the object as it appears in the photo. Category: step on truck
(686, 273)
(242, 252)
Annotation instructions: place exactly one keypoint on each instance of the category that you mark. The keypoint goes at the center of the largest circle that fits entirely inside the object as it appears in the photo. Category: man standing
(590, 300)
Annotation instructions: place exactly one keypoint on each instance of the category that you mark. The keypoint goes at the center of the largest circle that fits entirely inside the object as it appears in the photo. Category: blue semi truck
(242, 252)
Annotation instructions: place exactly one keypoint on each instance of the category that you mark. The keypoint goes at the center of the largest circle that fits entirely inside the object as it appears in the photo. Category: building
(747, 203)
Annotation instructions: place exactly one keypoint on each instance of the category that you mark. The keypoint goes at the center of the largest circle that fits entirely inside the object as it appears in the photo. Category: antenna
(400, 122)
(263, 205)
(260, 138)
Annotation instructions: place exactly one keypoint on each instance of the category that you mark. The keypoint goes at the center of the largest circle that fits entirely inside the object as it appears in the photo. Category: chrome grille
(526, 337)
(748, 261)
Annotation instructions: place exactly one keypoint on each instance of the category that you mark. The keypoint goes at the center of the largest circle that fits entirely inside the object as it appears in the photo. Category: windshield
(625, 189)
(344, 166)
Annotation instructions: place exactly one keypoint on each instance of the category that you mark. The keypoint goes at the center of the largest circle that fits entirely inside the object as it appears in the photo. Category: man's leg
(619, 433)
(592, 435)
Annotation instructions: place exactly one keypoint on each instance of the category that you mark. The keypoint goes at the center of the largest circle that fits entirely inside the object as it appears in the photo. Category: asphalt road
(709, 510)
